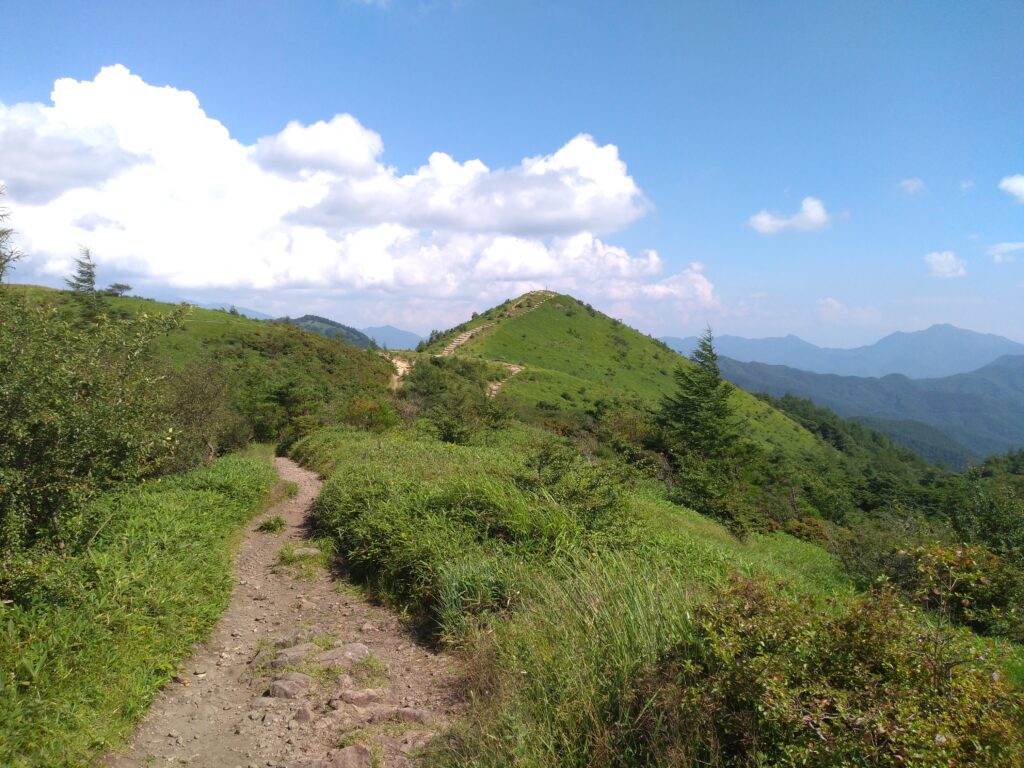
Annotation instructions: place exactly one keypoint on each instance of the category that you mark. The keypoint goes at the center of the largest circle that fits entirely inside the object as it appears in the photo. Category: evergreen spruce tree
(83, 286)
(698, 414)
(704, 445)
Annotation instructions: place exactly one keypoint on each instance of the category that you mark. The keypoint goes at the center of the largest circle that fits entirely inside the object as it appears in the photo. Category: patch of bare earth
(301, 671)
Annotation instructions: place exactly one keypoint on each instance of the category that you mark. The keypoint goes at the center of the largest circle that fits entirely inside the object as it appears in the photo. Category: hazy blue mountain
(942, 350)
(982, 411)
(393, 338)
(329, 328)
(255, 314)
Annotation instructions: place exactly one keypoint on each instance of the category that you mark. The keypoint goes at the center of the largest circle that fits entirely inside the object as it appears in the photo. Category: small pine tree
(83, 285)
(698, 413)
(704, 445)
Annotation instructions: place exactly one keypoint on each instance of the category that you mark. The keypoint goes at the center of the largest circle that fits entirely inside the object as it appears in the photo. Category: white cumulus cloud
(945, 264)
(162, 192)
(812, 215)
(1014, 185)
(1004, 253)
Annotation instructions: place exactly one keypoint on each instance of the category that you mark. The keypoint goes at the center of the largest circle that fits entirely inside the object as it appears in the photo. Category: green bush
(79, 416)
(767, 680)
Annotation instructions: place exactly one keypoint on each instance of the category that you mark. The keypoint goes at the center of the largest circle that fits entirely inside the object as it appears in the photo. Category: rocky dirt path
(301, 671)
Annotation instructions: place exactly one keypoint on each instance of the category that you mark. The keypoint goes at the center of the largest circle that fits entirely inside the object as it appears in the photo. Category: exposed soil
(301, 671)
(402, 368)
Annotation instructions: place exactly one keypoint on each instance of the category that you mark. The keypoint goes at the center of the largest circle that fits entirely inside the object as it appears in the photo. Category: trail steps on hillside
(462, 338)
(533, 298)
(495, 386)
(300, 672)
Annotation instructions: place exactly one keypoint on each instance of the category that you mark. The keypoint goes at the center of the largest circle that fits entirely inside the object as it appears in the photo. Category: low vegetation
(88, 637)
(641, 563)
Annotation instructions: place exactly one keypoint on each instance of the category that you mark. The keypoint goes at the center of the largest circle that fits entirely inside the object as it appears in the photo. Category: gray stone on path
(291, 686)
(363, 697)
(293, 655)
(344, 656)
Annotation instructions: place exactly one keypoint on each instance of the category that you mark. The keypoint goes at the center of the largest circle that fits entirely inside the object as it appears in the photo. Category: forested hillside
(980, 413)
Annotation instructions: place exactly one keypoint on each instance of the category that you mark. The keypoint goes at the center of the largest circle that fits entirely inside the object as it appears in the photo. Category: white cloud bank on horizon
(1014, 185)
(945, 264)
(162, 192)
(812, 215)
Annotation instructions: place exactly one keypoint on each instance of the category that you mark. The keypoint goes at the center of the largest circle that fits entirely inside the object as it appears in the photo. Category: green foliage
(442, 530)
(199, 402)
(966, 585)
(765, 681)
(83, 287)
(699, 428)
(451, 394)
(8, 253)
(332, 330)
(92, 637)
(80, 416)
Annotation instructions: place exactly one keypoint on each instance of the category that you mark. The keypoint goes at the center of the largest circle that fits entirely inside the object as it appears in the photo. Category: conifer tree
(698, 414)
(704, 446)
(83, 286)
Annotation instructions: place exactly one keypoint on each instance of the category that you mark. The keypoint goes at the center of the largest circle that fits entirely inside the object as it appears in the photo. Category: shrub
(768, 680)
(964, 584)
(79, 416)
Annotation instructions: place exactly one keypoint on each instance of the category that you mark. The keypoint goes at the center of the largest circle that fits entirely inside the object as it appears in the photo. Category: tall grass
(572, 605)
(93, 636)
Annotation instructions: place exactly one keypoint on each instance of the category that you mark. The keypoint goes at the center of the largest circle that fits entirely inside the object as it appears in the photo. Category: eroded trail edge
(301, 671)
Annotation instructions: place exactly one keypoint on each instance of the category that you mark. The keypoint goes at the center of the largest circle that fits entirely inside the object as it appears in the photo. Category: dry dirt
(301, 671)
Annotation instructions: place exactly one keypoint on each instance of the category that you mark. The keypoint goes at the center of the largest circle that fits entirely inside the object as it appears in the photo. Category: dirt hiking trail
(300, 671)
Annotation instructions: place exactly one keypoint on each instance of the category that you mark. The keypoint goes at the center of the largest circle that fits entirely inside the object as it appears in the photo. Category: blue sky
(898, 121)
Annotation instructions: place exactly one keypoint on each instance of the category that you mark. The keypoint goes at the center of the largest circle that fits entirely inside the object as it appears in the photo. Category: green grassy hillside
(577, 357)
(277, 377)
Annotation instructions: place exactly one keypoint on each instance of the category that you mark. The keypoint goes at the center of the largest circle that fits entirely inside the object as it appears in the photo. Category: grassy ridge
(94, 635)
(577, 356)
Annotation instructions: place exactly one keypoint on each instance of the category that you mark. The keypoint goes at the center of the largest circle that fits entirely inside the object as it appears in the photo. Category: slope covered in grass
(92, 636)
(581, 594)
(576, 356)
(278, 380)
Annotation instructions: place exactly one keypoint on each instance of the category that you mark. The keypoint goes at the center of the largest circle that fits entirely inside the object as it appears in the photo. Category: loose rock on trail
(300, 672)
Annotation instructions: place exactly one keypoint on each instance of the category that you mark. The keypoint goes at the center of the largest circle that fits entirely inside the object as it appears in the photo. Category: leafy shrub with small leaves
(768, 680)
(964, 584)
(80, 415)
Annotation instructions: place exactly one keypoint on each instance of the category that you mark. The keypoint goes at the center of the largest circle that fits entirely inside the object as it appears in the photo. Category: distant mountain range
(330, 329)
(389, 337)
(942, 350)
(951, 419)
